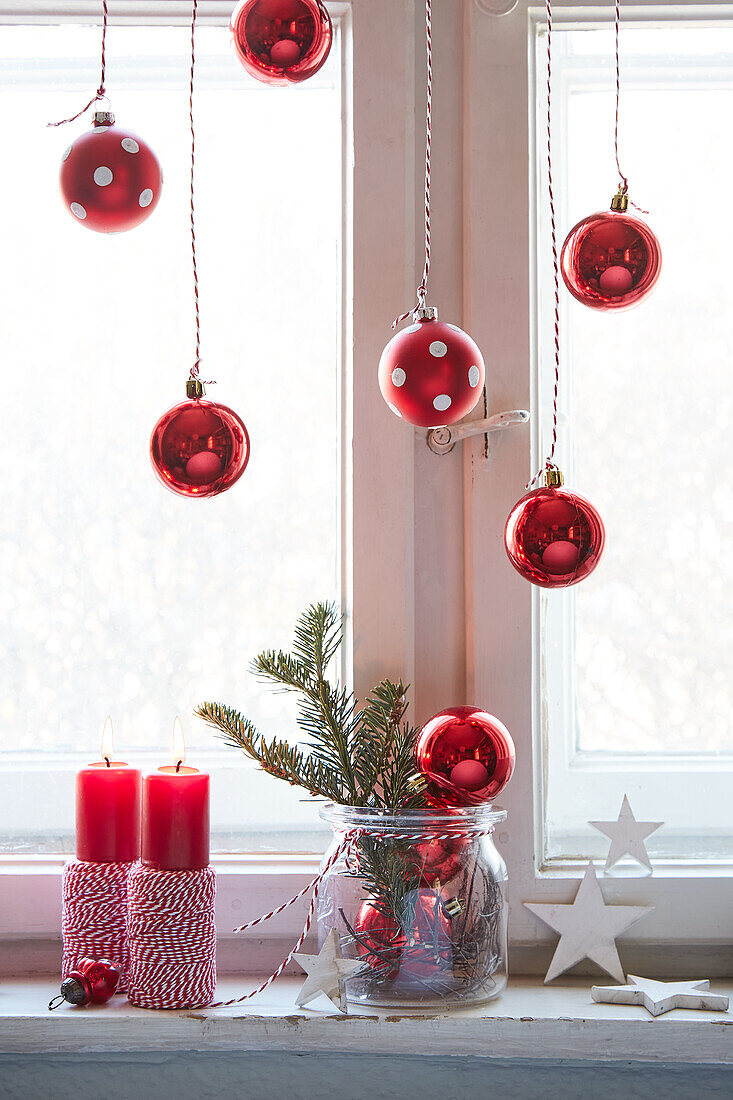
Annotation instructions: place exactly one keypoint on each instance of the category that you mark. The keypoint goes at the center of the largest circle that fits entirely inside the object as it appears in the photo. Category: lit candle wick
(106, 760)
(178, 765)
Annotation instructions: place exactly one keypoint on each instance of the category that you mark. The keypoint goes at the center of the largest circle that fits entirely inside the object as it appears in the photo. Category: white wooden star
(659, 997)
(327, 973)
(627, 836)
(588, 928)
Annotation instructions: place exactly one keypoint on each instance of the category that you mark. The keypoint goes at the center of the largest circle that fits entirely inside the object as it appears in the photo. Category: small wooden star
(659, 997)
(327, 973)
(627, 836)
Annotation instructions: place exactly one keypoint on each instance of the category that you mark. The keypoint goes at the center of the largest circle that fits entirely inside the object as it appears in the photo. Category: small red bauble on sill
(199, 448)
(93, 982)
(611, 260)
(431, 373)
(466, 755)
(554, 537)
(281, 42)
(110, 178)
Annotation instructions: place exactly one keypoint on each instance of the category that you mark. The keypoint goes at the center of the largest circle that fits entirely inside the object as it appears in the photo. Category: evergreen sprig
(355, 756)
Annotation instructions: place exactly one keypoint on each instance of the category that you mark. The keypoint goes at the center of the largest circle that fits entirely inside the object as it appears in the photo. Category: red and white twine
(172, 937)
(100, 92)
(422, 290)
(94, 915)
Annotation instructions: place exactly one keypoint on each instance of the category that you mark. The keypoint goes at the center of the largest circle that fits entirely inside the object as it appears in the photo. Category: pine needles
(354, 756)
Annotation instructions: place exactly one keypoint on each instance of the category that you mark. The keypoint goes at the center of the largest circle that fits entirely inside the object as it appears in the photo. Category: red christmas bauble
(419, 951)
(431, 373)
(610, 260)
(554, 537)
(101, 977)
(466, 755)
(110, 179)
(438, 859)
(281, 41)
(199, 448)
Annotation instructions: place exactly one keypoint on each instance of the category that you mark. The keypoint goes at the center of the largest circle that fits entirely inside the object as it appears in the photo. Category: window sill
(529, 1021)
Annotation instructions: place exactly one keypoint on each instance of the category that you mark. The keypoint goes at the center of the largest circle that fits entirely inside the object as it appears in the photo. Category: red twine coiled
(94, 915)
(171, 937)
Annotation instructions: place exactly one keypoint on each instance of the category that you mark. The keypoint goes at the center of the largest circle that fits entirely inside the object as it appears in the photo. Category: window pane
(648, 409)
(120, 597)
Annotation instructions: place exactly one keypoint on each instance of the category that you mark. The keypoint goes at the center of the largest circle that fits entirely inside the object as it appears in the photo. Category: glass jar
(420, 897)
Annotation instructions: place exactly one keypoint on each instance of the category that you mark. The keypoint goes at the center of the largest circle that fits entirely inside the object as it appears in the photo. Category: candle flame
(178, 744)
(108, 740)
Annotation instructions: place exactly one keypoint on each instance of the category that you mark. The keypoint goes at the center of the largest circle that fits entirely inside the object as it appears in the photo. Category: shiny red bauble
(466, 755)
(439, 859)
(419, 951)
(281, 41)
(93, 981)
(611, 260)
(554, 537)
(431, 373)
(110, 179)
(199, 448)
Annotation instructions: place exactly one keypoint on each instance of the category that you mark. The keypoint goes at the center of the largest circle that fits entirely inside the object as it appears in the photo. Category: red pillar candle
(108, 808)
(175, 834)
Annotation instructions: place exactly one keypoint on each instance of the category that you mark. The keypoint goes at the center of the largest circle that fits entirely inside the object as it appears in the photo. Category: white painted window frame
(693, 901)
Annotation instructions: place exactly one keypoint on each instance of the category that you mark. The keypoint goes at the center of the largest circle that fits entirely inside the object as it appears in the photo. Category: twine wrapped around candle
(94, 915)
(172, 938)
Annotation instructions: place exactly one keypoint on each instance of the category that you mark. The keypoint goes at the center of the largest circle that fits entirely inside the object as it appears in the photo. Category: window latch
(441, 441)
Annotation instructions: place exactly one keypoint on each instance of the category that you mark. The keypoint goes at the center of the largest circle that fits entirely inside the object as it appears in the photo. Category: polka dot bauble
(199, 448)
(110, 178)
(466, 755)
(431, 373)
(611, 260)
(554, 537)
(281, 41)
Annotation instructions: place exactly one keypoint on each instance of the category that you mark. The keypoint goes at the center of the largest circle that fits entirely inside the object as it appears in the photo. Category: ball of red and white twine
(94, 915)
(172, 938)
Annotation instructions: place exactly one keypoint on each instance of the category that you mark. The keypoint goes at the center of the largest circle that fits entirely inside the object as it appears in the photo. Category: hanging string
(549, 461)
(623, 180)
(196, 361)
(422, 290)
(100, 92)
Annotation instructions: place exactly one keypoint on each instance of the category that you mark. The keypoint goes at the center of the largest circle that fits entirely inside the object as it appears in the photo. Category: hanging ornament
(110, 178)
(198, 448)
(281, 42)
(553, 537)
(93, 982)
(415, 952)
(612, 260)
(430, 373)
(466, 755)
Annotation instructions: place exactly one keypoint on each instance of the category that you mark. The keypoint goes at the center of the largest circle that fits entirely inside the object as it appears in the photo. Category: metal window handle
(442, 440)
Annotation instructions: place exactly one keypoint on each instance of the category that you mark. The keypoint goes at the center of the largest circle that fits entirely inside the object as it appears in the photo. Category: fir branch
(380, 720)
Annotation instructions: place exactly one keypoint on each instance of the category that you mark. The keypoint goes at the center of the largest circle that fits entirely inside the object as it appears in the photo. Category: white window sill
(529, 1021)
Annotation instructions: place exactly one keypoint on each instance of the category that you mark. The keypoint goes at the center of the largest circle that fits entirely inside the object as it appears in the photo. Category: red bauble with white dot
(431, 373)
(415, 953)
(554, 537)
(281, 41)
(611, 260)
(199, 448)
(110, 178)
(466, 755)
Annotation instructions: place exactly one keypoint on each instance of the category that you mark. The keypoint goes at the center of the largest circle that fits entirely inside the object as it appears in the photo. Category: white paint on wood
(627, 836)
(660, 997)
(588, 928)
(529, 1021)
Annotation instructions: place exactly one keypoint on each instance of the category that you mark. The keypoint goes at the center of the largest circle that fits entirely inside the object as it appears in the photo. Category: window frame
(503, 635)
